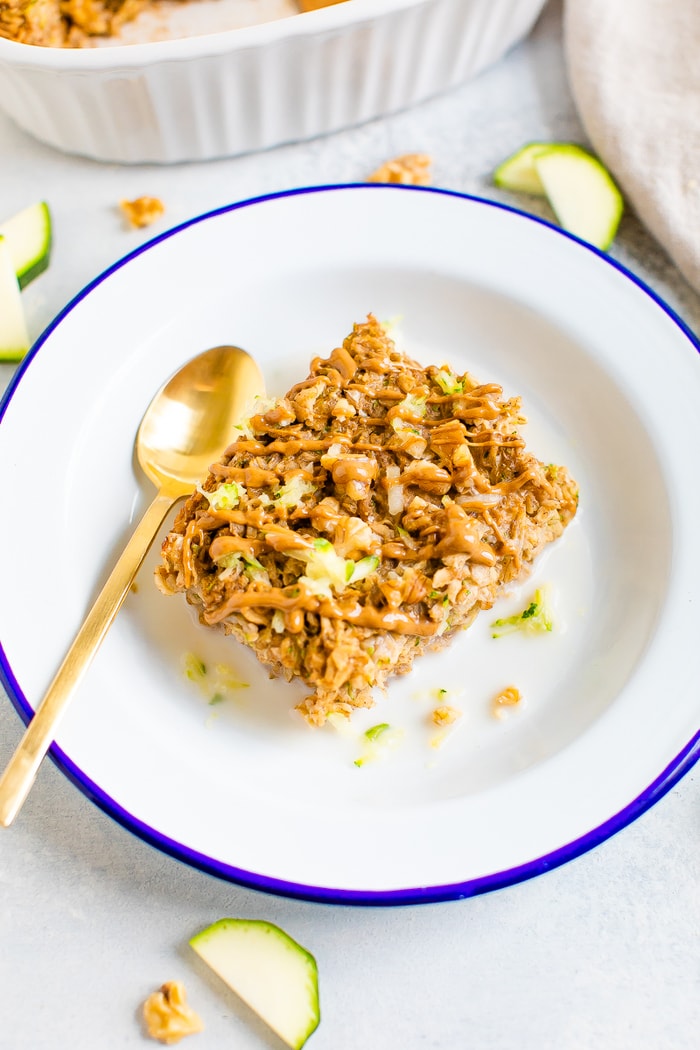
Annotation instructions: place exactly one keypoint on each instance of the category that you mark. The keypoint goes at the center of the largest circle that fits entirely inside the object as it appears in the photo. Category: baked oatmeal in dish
(64, 23)
(363, 519)
(75, 23)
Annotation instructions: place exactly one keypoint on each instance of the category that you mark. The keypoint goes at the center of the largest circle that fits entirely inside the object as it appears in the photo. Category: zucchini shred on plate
(363, 519)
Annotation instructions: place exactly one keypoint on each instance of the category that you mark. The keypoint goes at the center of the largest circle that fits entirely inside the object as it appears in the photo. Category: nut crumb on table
(411, 169)
(167, 1016)
(143, 211)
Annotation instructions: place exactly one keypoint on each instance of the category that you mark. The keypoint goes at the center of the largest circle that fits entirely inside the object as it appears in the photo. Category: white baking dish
(216, 94)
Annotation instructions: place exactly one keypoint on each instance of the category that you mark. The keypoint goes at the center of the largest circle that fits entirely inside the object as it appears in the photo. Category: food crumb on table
(142, 211)
(411, 169)
(167, 1016)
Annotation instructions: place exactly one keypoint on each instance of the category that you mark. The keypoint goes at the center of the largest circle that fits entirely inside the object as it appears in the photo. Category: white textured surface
(282, 81)
(602, 952)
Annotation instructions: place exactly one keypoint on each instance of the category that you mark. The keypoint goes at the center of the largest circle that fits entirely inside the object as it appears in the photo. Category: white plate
(610, 381)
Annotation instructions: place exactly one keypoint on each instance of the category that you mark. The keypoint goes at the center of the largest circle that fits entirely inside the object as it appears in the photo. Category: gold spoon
(185, 428)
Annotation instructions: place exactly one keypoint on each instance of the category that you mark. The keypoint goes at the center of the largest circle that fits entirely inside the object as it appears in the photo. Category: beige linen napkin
(634, 68)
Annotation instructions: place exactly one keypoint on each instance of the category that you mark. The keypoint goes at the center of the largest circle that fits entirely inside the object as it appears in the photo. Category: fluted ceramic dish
(213, 91)
(610, 383)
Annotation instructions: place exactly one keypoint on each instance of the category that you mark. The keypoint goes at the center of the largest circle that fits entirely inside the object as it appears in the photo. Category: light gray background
(600, 953)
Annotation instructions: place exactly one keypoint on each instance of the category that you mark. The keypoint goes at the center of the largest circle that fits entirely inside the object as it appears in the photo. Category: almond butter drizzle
(251, 477)
(222, 545)
(344, 363)
(293, 446)
(361, 615)
(452, 534)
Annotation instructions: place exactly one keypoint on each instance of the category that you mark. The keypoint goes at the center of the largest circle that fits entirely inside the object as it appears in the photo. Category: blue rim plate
(245, 790)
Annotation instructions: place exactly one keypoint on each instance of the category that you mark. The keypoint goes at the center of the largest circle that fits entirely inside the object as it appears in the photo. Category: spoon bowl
(192, 417)
(185, 428)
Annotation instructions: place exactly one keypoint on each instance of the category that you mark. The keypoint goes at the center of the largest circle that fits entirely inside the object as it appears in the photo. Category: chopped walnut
(143, 211)
(509, 697)
(445, 715)
(167, 1016)
(412, 169)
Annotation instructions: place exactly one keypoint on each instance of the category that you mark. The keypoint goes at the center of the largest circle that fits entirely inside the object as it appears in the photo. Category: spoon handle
(19, 775)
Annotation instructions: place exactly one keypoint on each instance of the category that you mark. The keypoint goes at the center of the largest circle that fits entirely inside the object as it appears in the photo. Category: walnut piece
(167, 1016)
(412, 169)
(445, 715)
(143, 211)
(509, 697)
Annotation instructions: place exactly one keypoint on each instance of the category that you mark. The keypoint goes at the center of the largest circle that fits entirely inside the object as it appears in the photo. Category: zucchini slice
(518, 172)
(28, 235)
(14, 338)
(582, 194)
(273, 974)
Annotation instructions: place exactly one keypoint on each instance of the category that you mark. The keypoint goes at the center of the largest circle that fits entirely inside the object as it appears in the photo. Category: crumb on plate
(217, 683)
(509, 697)
(445, 715)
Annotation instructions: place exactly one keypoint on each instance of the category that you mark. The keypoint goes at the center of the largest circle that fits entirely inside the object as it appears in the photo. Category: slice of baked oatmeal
(363, 519)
